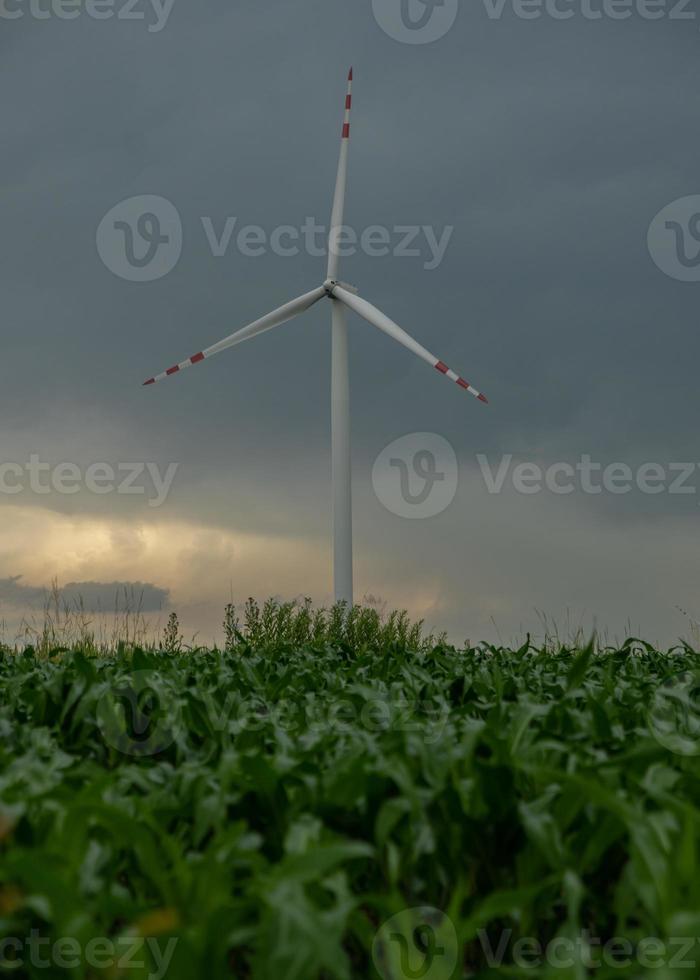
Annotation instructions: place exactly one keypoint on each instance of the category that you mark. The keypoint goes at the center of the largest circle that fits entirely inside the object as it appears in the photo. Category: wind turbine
(343, 297)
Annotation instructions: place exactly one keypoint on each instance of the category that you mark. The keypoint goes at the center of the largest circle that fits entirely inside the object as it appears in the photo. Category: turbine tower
(342, 297)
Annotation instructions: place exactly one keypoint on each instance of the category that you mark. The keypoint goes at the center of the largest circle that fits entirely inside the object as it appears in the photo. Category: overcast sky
(531, 156)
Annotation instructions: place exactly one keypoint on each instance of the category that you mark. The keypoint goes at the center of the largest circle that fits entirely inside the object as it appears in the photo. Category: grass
(68, 625)
(267, 807)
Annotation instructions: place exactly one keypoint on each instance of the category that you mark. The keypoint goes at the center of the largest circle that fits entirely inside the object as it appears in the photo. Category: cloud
(107, 596)
(91, 596)
(16, 594)
(199, 567)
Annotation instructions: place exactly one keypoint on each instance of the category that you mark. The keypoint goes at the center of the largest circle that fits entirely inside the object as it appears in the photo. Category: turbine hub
(330, 284)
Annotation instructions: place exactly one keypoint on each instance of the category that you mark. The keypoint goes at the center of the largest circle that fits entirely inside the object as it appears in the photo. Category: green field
(263, 811)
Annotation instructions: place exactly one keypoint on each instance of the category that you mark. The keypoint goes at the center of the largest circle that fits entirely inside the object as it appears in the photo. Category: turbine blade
(341, 181)
(378, 319)
(274, 319)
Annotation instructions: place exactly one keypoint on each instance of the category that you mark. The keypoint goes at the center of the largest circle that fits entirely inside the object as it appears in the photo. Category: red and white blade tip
(348, 106)
(176, 368)
(443, 369)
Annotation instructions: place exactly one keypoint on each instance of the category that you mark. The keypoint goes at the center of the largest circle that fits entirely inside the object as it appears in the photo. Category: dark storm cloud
(15, 593)
(103, 597)
(546, 145)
